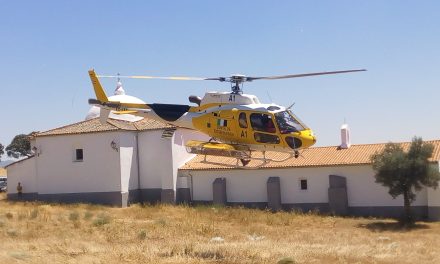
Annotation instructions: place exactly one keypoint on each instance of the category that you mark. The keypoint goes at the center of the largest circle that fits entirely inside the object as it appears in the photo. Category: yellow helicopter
(237, 123)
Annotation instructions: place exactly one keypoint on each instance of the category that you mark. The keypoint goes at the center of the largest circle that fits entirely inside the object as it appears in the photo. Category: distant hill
(4, 163)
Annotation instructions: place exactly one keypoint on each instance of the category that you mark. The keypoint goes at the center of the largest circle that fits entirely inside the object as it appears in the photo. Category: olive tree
(405, 173)
(1, 151)
(19, 147)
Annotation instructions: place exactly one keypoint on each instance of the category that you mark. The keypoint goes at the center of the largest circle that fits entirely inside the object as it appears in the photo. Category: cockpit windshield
(287, 122)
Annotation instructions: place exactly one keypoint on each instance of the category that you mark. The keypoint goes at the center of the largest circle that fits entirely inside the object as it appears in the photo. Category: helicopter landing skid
(241, 153)
(218, 149)
(243, 163)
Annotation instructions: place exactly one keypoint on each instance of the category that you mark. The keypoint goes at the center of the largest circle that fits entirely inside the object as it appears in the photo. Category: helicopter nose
(308, 138)
(304, 139)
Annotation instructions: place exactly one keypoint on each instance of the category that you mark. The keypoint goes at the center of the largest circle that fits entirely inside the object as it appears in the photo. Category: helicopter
(238, 124)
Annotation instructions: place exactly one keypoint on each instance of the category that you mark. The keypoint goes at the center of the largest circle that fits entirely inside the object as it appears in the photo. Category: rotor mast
(236, 83)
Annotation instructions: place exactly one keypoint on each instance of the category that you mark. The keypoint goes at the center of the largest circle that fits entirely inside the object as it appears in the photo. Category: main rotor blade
(176, 78)
(299, 75)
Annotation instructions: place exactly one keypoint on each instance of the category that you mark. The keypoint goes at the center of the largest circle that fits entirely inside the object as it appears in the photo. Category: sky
(47, 47)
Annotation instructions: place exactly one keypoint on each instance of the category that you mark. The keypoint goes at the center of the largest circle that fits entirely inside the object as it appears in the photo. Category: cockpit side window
(288, 123)
(262, 122)
(242, 120)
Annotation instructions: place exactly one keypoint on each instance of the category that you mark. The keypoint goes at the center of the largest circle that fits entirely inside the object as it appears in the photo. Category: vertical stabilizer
(99, 91)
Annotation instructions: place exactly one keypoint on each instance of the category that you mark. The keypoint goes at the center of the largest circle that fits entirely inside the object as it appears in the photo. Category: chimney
(345, 137)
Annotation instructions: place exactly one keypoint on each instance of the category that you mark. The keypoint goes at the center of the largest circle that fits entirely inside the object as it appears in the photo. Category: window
(79, 155)
(242, 120)
(262, 122)
(288, 123)
(303, 184)
(266, 138)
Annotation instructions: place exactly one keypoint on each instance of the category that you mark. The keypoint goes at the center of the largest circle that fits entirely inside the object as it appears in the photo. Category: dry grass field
(49, 233)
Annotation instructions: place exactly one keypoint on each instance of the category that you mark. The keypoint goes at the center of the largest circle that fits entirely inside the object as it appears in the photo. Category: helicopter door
(264, 128)
(243, 127)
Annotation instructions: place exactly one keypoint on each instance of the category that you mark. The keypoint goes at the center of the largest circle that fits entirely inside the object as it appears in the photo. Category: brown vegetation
(49, 233)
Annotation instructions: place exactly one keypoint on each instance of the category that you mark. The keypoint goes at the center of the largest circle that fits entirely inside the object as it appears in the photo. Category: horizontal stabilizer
(125, 112)
(107, 103)
(94, 102)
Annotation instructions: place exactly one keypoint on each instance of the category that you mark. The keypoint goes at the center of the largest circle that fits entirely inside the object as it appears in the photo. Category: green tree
(404, 173)
(19, 147)
(1, 151)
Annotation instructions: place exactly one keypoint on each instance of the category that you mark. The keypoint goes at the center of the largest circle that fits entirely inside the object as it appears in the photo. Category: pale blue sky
(46, 48)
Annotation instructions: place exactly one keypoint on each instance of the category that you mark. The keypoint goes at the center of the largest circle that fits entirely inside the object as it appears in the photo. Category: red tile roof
(94, 125)
(312, 157)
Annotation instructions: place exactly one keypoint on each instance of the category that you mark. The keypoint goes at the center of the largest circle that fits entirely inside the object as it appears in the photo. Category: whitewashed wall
(160, 158)
(433, 194)
(364, 191)
(180, 155)
(25, 173)
(128, 159)
(57, 172)
(155, 163)
(250, 185)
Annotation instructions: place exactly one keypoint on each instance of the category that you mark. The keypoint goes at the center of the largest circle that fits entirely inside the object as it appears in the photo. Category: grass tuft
(33, 214)
(9, 215)
(12, 232)
(88, 215)
(288, 260)
(101, 220)
(142, 235)
(161, 222)
(74, 216)
(19, 255)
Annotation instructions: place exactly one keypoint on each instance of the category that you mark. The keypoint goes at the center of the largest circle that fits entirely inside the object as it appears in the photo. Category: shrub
(162, 222)
(101, 220)
(12, 232)
(9, 216)
(88, 215)
(286, 261)
(142, 235)
(74, 216)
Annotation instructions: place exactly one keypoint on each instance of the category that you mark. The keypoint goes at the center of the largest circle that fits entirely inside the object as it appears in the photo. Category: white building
(330, 179)
(126, 160)
(137, 160)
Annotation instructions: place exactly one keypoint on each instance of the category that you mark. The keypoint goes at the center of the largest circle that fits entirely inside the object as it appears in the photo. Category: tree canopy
(1, 151)
(19, 147)
(405, 173)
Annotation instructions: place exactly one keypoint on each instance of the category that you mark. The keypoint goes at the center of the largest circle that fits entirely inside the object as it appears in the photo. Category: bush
(9, 216)
(101, 220)
(88, 215)
(12, 232)
(286, 261)
(142, 235)
(74, 216)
